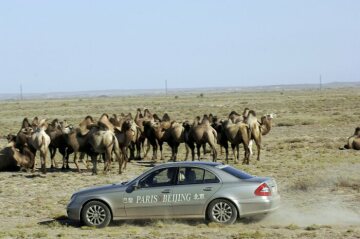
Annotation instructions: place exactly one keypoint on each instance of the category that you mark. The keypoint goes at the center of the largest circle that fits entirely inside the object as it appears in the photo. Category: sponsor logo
(168, 198)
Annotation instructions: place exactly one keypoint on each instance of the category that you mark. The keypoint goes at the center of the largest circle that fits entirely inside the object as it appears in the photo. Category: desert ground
(319, 184)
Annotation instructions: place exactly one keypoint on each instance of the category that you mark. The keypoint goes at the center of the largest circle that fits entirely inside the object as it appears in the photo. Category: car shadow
(62, 220)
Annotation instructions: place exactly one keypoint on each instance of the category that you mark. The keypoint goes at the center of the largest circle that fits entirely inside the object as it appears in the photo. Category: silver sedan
(213, 191)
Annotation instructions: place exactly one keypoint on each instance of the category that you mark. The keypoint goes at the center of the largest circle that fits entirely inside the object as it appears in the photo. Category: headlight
(72, 199)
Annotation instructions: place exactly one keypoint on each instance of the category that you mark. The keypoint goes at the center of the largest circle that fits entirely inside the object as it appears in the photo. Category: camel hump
(105, 123)
(166, 117)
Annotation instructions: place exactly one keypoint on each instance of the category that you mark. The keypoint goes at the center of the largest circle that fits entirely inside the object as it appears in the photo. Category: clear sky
(77, 45)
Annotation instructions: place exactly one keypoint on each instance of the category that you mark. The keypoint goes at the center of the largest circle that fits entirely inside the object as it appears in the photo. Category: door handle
(166, 191)
(207, 189)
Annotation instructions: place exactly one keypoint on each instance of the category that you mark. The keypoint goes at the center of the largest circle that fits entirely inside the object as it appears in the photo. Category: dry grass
(301, 153)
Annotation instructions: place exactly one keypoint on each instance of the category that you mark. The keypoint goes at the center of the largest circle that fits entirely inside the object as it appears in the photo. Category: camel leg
(258, 151)
(204, 149)
(192, 148)
(161, 153)
(226, 146)
(125, 157)
(43, 161)
(213, 149)
(75, 161)
(147, 148)
(52, 156)
(250, 147)
(187, 152)
(94, 161)
(247, 154)
(237, 153)
(198, 146)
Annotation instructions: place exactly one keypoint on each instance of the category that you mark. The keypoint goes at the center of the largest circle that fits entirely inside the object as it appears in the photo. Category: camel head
(166, 117)
(246, 112)
(42, 125)
(11, 138)
(187, 126)
(156, 118)
(25, 123)
(35, 122)
(357, 131)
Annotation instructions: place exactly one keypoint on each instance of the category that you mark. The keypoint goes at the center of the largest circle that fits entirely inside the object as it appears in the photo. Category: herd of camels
(123, 138)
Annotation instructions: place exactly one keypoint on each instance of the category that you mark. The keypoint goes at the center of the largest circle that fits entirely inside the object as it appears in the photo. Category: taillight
(263, 190)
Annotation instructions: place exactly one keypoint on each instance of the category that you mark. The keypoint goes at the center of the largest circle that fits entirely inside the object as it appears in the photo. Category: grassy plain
(319, 184)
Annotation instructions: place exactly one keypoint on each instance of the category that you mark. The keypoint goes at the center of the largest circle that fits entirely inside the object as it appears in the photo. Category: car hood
(101, 189)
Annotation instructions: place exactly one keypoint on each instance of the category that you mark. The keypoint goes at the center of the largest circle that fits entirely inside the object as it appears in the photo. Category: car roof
(190, 163)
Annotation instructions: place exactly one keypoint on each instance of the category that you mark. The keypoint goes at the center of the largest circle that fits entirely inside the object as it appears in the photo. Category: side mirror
(133, 187)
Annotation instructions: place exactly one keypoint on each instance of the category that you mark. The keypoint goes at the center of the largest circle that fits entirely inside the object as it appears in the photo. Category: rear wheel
(222, 211)
(96, 214)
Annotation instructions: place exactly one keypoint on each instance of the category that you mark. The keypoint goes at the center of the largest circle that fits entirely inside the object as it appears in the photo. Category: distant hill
(112, 93)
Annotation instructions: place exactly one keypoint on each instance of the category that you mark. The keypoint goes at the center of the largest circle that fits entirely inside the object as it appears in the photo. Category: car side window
(190, 175)
(159, 178)
(210, 177)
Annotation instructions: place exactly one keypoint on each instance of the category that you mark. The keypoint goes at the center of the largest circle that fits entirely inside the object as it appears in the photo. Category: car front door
(150, 198)
(194, 187)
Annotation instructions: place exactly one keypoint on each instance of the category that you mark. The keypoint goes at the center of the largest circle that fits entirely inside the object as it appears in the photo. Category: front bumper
(73, 213)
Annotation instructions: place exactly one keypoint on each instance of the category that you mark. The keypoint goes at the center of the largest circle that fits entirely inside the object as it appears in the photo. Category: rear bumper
(259, 205)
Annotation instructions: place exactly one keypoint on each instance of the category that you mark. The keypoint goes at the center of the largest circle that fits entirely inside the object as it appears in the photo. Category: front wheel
(222, 211)
(96, 214)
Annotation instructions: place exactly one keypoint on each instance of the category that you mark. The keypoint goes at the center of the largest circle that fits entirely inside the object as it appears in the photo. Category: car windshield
(234, 172)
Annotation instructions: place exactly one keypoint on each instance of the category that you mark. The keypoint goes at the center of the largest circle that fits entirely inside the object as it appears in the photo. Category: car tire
(96, 214)
(222, 211)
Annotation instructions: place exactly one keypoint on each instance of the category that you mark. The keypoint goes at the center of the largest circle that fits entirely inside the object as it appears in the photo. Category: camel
(57, 138)
(162, 132)
(200, 134)
(103, 141)
(35, 137)
(235, 133)
(177, 136)
(258, 129)
(41, 141)
(12, 160)
(127, 137)
(353, 141)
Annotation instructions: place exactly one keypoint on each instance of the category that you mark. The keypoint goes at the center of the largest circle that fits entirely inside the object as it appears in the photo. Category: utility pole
(166, 89)
(320, 83)
(21, 92)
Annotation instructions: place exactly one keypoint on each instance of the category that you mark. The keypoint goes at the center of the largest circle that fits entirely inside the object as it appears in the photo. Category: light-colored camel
(103, 141)
(37, 138)
(258, 129)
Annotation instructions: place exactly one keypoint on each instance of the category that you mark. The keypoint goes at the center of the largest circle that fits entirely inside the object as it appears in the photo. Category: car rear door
(194, 187)
(150, 199)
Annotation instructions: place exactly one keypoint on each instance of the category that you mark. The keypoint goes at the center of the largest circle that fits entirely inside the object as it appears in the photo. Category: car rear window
(235, 172)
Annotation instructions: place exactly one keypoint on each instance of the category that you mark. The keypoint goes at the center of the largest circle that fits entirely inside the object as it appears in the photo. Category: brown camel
(353, 141)
(127, 137)
(200, 134)
(12, 160)
(236, 133)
